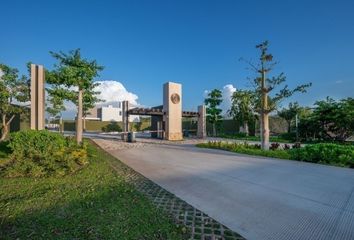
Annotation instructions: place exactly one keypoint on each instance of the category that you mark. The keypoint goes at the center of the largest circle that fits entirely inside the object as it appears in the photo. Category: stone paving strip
(199, 225)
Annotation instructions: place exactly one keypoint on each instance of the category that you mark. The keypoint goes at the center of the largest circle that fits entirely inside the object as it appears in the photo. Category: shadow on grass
(94, 203)
(115, 214)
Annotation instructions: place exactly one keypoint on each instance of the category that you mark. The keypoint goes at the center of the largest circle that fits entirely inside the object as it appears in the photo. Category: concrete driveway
(260, 198)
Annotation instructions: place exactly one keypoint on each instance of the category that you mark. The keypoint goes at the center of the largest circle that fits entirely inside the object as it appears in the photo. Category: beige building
(112, 113)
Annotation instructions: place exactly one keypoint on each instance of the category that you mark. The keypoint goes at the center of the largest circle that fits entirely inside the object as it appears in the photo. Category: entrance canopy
(166, 119)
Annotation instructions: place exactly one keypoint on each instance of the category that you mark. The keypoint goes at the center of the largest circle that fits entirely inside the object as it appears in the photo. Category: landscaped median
(92, 202)
(323, 153)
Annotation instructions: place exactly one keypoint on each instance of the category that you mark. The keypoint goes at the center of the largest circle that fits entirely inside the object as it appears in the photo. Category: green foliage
(242, 107)
(94, 203)
(4, 149)
(73, 71)
(265, 85)
(55, 103)
(213, 111)
(287, 137)
(12, 88)
(72, 77)
(246, 149)
(112, 127)
(43, 153)
(265, 102)
(326, 153)
(329, 120)
(283, 138)
(289, 113)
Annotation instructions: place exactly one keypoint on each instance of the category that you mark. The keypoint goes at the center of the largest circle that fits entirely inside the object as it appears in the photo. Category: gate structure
(166, 120)
(37, 97)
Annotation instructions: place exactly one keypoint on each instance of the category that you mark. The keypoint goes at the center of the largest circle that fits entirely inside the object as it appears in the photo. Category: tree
(330, 119)
(73, 77)
(212, 103)
(56, 105)
(13, 90)
(263, 86)
(288, 114)
(89, 101)
(242, 108)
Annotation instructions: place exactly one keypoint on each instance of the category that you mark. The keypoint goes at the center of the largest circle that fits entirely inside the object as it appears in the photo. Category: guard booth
(166, 119)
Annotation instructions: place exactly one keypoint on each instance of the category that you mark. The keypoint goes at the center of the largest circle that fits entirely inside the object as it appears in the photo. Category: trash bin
(131, 136)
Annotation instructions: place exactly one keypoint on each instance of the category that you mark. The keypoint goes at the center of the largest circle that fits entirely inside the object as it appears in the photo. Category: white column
(201, 132)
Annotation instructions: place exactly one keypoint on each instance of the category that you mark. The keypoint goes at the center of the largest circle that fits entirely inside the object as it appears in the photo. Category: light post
(297, 127)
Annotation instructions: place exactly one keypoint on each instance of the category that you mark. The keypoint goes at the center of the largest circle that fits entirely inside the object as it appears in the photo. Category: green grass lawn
(94, 203)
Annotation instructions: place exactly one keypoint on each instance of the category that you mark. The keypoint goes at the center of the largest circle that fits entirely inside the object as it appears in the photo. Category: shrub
(297, 145)
(274, 146)
(4, 149)
(327, 153)
(288, 136)
(286, 147)
(257, 146)
(246, 149)
(43, 153)
(112, 127)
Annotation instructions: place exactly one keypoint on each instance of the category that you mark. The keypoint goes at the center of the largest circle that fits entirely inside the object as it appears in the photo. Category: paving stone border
(199, 224)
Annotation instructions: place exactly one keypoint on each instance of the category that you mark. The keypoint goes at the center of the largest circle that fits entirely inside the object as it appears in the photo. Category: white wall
(110, 113)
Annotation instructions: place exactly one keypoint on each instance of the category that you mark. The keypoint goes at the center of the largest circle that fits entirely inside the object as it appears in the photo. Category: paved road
(260, 198)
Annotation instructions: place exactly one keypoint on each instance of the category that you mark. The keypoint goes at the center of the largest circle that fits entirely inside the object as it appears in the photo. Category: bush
(291, 137)
(274, 146)
(327, 153)
(112, 127)
(43, 153)
(246, 149)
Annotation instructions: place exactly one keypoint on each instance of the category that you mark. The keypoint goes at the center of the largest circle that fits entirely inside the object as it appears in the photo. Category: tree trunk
(79, 118)
(265, 132)
(245, 128)
(214, 130)
(264, 115)
(5, 127)
(84, 120)
(61, 125)
(261, 127)
(289, 126)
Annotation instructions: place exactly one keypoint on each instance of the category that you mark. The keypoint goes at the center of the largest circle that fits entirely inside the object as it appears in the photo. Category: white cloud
(112, 92)
(339, 82)
(227, 92)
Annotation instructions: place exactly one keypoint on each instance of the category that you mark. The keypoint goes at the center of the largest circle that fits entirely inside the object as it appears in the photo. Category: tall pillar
(172, 108)
(125, 116)
(37, 97)
(201, 132)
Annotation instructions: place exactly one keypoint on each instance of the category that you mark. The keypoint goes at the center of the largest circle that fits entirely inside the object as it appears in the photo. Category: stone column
(201, 132)
(172, 108)
(125, 118)
(37, 97)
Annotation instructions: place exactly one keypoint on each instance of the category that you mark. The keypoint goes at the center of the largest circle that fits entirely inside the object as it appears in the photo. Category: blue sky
(143, 44)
